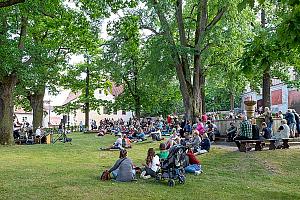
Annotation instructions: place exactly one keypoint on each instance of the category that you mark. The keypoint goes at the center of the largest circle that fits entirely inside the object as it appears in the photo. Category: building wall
(282, 98)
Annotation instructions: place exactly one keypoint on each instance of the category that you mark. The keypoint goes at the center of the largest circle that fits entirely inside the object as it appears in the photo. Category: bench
(258, 144)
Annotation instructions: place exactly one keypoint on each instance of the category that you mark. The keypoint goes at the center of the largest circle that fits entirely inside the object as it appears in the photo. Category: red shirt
(192, 158)
(204, 118)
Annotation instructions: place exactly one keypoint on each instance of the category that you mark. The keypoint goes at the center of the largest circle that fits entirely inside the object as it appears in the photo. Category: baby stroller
(172, 168)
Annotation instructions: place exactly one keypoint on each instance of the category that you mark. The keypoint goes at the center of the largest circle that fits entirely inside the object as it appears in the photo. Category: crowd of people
(193, 137)
(248, 129)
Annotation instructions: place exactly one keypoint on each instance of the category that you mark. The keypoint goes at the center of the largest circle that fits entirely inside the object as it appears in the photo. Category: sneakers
(143, 175)
(198, 172)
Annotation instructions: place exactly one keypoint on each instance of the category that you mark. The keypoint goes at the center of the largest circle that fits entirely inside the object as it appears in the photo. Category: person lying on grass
(194, 166)
(123, 168)
(116, 145)
(152, 164)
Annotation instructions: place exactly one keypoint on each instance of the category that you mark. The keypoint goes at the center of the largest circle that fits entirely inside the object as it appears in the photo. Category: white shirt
(285, 133)
(38, 132)
(118, 142)
(154, 165)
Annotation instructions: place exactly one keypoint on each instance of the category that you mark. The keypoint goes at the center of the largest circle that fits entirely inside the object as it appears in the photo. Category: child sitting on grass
(163, 154)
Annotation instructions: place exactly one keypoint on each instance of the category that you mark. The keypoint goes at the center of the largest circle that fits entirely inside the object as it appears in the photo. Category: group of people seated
(195, 140)
(25, 133)
(124, 170)
(250, 130)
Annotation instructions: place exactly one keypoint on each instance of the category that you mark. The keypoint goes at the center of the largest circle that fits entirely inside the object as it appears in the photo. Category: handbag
(105, 176)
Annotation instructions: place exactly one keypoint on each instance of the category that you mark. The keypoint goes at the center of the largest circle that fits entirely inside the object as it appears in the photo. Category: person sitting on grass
(204, 145)
(152, 164)
(126, 143)
(172, 140)
(194, 166)
(200, 128)
(163, 154)
(196, 141)
(123, 168)
(141, 135)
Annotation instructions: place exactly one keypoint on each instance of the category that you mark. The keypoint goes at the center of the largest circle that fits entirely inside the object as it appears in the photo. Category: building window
(24, 119)
(123, 112)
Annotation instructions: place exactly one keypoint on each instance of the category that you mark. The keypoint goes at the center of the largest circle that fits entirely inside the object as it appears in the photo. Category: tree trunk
(202, 86)
(231, 101)
(266, 88)
(137, 107)
(37, 105)
(6, 109)
(87, 103)
(267, 72)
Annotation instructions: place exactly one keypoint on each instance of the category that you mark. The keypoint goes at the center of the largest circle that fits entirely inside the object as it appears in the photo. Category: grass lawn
(64, 171)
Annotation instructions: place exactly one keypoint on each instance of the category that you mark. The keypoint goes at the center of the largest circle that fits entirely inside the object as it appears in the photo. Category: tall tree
(204, 16)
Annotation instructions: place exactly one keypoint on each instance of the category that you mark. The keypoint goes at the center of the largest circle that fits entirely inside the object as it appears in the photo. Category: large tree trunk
(87, 95)
(137, 107)
(202, 82)
(266, 88)
(6, 109)
(37, 103)
(267, 72)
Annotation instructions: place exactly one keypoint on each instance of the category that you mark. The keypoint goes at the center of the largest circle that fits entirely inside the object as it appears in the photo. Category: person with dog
(123, 168)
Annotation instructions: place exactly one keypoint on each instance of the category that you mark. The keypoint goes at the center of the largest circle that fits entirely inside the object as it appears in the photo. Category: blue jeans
(192, 168)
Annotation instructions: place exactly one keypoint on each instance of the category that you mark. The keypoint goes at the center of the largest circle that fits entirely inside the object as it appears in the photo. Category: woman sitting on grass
(194, 166)
(205, 145)
(123, 169)
(152, 164)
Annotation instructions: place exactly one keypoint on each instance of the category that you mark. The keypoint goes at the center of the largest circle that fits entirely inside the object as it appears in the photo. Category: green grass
(64, 171)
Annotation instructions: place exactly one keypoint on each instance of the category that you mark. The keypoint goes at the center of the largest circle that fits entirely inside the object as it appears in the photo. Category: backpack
(105, 176)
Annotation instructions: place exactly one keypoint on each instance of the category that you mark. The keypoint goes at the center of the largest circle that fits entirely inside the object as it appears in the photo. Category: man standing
(297, 119)
(245, 131)
(291, 122)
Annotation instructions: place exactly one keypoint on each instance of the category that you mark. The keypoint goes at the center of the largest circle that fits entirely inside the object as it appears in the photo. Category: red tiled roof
(21, 111)
(72, 96)
(117, 90)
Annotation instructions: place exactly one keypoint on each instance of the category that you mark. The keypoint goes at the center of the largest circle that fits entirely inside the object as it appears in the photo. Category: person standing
(291, 122)
(297, 120)
(268, 117)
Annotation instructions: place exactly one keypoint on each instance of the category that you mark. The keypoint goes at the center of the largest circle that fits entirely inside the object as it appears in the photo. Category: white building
(75, 117)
